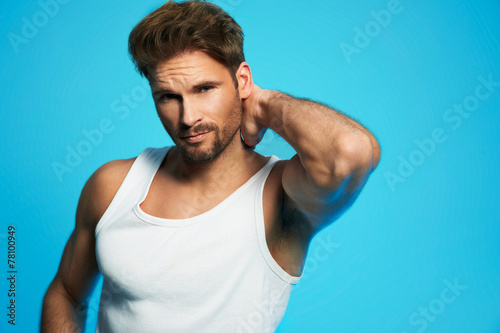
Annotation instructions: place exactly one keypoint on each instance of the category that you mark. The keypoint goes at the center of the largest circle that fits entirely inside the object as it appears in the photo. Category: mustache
(201, 128)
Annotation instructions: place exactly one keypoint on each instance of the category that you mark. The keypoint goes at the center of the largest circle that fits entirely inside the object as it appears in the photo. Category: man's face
(198, 104)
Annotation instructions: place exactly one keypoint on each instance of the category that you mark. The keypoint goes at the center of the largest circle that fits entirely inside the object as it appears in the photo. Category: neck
(236, 161)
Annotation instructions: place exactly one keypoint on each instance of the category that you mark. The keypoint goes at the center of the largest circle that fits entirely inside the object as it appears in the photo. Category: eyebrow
(161, 91)
(206, 83)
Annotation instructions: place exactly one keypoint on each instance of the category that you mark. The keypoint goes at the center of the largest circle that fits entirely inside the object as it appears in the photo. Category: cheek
(167, 116)
(220, 106)
(212, 105)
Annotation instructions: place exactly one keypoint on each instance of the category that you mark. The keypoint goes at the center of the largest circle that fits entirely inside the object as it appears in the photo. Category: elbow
(375, 152)
(355, 155)
(359, 153)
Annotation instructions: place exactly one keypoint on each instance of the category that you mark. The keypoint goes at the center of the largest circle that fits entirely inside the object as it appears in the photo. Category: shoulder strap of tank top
(259, 179)
(269, 166)
(139, 176)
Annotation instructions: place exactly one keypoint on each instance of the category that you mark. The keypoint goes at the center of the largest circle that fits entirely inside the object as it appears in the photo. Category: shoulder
(273, 181)
(100, 189)
(289, 218)
(273, 195)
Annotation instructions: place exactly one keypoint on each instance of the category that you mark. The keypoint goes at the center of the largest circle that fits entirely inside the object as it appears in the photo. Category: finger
(253, 137)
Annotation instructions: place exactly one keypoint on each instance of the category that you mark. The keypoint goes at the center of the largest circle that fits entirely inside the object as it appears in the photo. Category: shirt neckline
(200, 217)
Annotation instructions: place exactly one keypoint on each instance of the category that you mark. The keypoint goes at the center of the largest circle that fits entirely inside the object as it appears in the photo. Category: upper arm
(324, 196)
(78, 269)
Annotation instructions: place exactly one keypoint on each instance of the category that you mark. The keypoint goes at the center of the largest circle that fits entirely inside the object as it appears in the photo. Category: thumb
(252, 133)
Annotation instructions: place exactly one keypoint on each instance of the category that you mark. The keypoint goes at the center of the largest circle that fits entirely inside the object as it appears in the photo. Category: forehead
(189, 68)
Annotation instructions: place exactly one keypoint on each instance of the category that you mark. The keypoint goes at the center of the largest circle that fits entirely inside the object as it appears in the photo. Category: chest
(169, 199)
(147, 260)
(173, 199)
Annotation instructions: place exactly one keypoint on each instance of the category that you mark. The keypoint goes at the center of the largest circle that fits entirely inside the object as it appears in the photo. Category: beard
(193, 153)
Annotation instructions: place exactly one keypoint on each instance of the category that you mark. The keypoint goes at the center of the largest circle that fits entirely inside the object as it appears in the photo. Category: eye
(205, 88)
(168, 97)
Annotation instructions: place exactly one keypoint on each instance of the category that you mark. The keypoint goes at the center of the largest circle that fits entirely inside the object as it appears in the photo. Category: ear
(245, 80)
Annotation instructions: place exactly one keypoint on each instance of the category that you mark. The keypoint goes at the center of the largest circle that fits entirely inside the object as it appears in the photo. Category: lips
(195, 138)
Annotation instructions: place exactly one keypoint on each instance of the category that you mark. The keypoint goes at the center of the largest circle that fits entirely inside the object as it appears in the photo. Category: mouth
(195, 138)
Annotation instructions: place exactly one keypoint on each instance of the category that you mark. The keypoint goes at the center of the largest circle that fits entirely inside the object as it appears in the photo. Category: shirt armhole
(122, 190)
(261, 236)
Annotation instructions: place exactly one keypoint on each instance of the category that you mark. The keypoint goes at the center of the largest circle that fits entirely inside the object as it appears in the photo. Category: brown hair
(175, 28)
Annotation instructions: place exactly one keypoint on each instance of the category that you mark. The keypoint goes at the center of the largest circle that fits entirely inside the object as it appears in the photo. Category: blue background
(428, 216)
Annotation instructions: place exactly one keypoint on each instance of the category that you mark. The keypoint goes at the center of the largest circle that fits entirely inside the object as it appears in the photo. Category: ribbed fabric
(209, 273)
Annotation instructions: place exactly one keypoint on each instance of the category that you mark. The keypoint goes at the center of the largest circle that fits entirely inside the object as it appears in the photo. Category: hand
(252, 128)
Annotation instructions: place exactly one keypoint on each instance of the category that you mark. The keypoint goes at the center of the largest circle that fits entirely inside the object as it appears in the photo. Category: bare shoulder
(272, 199)
(283, 210)
(277, 206)
(99, 191)
(273, 182)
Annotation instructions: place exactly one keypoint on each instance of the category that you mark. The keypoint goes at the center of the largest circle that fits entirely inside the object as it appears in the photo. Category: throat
(197, 189)
(233, 161)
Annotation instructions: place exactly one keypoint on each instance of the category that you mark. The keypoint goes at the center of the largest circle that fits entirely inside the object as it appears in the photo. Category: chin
(209, 149)
(199, 155)
(199, 158)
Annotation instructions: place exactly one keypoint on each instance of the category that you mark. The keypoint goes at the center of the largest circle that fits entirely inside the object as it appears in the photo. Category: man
(208, 235)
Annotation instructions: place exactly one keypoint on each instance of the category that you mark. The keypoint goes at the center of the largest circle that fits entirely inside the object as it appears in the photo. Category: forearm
(60, 314)
(325, 140)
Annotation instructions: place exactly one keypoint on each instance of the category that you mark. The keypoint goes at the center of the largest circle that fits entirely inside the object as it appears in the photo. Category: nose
(190, 113)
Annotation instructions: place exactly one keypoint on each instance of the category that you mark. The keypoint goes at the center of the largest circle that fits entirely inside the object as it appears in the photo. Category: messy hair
(178, 27)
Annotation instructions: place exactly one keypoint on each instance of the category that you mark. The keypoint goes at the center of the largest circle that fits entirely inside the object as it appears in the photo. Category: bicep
(321, 205)
(78, 270)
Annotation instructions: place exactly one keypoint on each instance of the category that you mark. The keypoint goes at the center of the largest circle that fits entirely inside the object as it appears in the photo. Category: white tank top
(209, 273)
